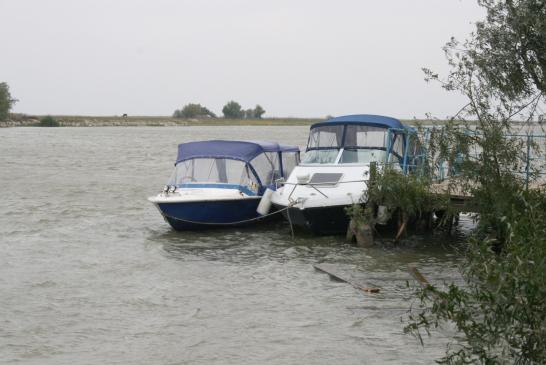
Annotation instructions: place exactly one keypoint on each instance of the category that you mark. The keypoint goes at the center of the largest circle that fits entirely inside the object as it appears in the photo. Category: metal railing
(411, 147)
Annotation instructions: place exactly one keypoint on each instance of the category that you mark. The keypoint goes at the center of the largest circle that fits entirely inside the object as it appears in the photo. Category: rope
(231, 223)
(290, 221)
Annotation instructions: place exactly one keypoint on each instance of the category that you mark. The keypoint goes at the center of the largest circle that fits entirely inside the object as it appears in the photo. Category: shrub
(48, 121)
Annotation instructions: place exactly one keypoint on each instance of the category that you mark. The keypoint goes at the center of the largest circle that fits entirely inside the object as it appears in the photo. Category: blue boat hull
(210, 214)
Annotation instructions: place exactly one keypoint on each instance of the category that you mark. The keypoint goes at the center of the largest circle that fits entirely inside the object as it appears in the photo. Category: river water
(91, 274)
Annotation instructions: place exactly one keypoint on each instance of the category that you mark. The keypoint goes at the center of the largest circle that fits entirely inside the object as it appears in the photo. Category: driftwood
(339, 277)
(418, 276)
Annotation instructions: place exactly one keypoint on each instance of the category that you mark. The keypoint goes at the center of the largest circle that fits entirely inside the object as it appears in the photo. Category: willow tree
(499, 311)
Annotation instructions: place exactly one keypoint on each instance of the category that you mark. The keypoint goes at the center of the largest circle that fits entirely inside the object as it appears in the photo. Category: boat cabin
(361, 139)
(249, 166)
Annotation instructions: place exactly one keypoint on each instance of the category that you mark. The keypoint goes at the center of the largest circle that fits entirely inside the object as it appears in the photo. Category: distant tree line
(232, 110)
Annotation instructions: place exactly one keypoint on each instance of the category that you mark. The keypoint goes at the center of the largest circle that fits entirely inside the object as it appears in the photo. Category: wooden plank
(340, 277)
(418, 276)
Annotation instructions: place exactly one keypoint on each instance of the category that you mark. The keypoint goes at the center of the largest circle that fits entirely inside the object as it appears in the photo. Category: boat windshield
(361, 144)
(362, 156)
(212, 170)
(364, 144)
(364, 136)
(329, 136)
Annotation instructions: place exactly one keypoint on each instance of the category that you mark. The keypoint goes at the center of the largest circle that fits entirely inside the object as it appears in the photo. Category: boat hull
(198, 215)
(327, 220)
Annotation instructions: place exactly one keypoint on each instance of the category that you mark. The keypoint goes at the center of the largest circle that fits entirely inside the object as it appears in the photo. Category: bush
(193, 111)
(48, 121)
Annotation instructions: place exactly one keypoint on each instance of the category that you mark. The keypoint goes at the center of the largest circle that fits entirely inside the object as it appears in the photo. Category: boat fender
(265, 202)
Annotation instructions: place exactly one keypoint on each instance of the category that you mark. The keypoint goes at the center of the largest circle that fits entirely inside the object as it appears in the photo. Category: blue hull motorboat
(220, 183)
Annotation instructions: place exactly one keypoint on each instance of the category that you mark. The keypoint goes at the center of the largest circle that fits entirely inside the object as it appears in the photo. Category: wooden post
(362, 232)
(350, 231)
(403, 224)
(364, 235)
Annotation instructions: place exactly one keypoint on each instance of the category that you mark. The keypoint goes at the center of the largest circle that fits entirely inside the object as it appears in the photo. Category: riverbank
(23, 120)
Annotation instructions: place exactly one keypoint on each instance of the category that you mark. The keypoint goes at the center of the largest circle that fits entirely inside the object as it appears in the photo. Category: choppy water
(91, 274)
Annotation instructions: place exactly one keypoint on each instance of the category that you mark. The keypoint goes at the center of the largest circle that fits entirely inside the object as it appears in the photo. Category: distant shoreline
(148, 121)
(21, 120)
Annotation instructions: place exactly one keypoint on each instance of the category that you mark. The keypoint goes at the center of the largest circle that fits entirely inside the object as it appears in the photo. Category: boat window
(320, 156)
(329, 136)
(267, 167)
(211, 170)
(416, 152)
(362, 156)
(398, 146)
(289, 161)
(365, 136)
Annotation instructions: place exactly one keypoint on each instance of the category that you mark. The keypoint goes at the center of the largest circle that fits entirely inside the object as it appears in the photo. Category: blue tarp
(235, 150)
(369, 119)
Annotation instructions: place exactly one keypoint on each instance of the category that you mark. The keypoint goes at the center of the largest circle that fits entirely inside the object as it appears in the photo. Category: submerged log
(418, 276)
(368, 288)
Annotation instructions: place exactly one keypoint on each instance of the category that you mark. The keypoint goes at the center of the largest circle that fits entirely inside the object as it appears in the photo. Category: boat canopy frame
(393, 128)
(244, 151)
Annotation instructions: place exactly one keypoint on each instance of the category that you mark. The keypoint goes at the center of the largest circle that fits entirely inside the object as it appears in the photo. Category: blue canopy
(235, 150)
(368, 119)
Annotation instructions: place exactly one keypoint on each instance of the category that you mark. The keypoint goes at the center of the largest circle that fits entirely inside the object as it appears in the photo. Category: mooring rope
(232, 223)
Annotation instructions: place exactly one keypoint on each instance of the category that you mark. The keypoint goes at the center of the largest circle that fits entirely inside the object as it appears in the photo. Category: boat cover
(368, 119)
(235, 150)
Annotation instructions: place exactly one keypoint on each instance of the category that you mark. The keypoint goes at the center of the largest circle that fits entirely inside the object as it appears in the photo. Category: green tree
(258, 112)
(233, 110)
(193, 111)
(499, 311)
(509, 47)
(6, 101)
(249, 114)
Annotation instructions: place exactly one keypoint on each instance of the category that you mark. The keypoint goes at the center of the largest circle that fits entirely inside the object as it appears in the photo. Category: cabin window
(326, 137)
(289, 161)
(267, 167)
(211, 170)
(398, 145)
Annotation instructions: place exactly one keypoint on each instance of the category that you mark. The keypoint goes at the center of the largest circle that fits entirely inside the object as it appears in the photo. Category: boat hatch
(322, 178)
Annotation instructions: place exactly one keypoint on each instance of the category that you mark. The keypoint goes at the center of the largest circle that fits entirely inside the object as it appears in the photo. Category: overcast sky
(303, 58)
